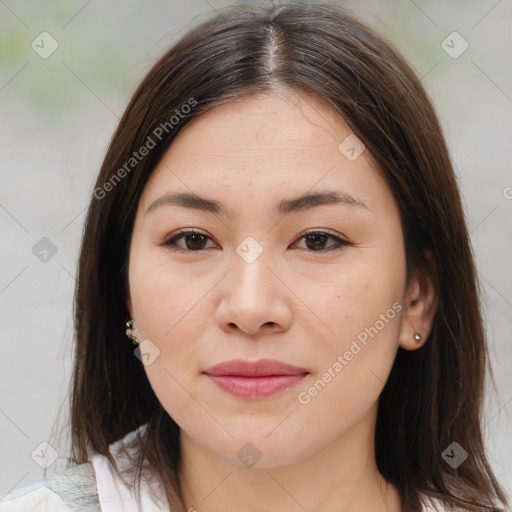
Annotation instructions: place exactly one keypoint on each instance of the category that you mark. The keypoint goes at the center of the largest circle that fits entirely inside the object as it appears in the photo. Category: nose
(254, 298)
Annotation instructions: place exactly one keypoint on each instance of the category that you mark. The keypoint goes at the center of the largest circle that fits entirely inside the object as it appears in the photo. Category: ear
(420, 305)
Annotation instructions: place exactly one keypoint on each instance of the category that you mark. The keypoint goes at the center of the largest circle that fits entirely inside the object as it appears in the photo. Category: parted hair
(434, 395)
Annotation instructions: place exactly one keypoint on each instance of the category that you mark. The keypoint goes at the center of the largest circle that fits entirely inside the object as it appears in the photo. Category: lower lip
(255, 387)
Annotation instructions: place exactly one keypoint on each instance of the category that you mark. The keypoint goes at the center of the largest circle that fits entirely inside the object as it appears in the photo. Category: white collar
(112, 493)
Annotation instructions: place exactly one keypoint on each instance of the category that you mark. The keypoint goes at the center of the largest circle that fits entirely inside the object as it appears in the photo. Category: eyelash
(171, 242)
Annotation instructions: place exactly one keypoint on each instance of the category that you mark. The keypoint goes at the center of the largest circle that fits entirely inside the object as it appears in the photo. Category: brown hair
(434, 395)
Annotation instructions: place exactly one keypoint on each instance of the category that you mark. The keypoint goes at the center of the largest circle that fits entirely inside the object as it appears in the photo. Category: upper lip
(260, 368)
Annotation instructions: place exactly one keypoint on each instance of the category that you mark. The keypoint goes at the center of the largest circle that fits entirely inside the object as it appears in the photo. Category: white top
(112, 493)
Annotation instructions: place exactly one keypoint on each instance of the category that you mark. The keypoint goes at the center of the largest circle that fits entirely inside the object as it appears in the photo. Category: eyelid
(323, 231)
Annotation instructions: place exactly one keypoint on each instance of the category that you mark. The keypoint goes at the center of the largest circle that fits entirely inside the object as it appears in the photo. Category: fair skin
(295, 302)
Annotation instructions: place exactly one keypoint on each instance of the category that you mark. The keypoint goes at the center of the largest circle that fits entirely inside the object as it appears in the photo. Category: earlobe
(420, 303)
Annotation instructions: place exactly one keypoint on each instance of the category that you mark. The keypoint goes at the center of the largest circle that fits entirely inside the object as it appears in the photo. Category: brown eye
(316, 241)
(193, 240)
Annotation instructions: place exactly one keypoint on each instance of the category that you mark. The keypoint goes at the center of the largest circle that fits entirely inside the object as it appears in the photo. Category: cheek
(169, 312)
(166, 299)
(354, 361)
(359, 299)
(362, 309)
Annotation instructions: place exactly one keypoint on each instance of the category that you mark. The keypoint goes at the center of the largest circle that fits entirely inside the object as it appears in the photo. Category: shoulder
(67, 491)
(33, 498)
(93, 486)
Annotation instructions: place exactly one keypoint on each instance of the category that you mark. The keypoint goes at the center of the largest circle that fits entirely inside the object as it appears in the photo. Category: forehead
(264, 145)
(281, 123)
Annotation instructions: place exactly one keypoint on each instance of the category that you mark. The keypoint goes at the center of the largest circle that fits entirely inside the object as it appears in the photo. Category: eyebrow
(304, 202)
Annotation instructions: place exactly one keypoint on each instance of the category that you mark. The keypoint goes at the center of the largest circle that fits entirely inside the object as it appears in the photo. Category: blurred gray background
(59, 110)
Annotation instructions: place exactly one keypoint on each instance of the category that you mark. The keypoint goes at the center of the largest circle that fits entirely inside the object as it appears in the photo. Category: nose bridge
(251, 275)
(251, 299)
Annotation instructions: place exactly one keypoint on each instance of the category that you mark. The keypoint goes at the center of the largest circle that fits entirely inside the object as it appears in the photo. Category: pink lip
(258, 379)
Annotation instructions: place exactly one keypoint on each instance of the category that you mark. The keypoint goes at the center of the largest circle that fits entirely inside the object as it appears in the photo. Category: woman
(277, 229)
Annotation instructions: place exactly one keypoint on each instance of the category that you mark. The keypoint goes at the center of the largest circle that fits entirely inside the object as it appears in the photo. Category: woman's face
(253, 285)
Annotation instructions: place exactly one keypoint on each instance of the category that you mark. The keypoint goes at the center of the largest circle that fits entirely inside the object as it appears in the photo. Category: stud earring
(417, 336)
(129, 332)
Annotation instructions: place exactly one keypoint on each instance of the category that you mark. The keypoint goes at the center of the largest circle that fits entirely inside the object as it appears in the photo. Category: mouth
(255, 380)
